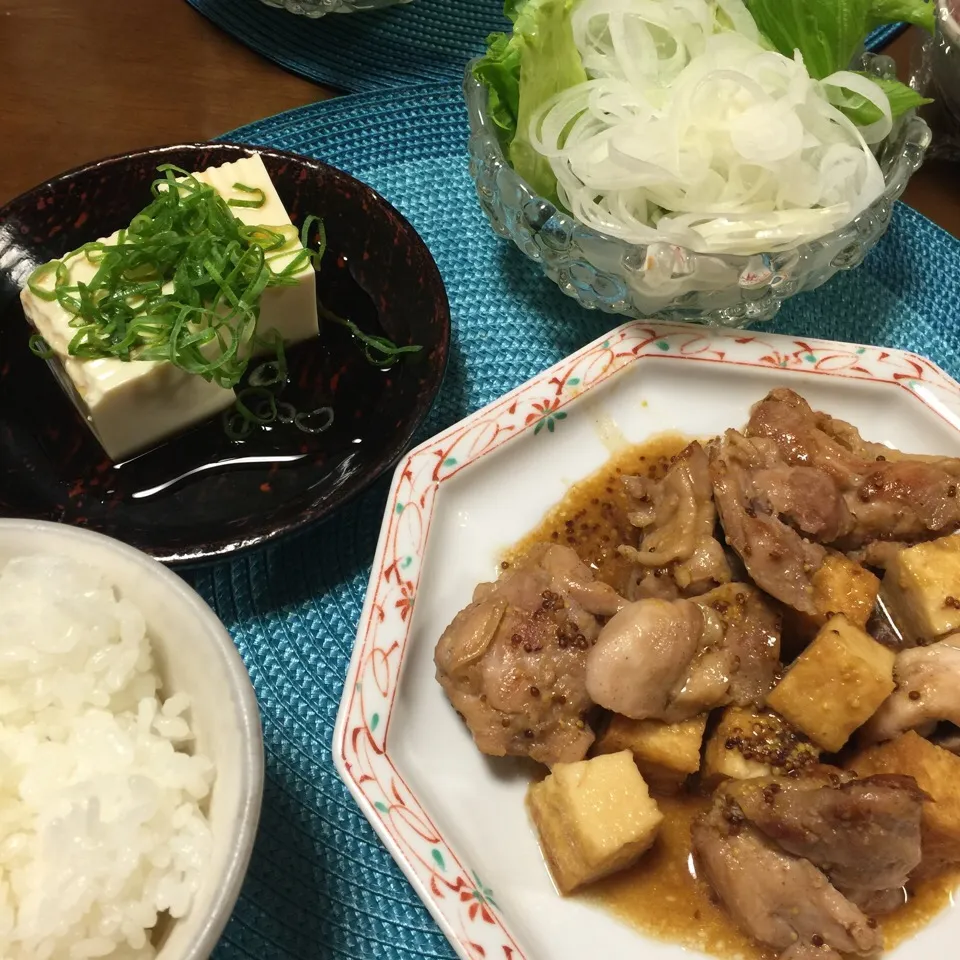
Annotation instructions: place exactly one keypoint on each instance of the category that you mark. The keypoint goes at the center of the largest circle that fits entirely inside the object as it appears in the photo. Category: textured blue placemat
(320, 885)
(426, 40)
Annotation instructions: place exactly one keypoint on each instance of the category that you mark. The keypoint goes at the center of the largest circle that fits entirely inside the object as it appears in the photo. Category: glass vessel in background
(663, 279)
(319, 8)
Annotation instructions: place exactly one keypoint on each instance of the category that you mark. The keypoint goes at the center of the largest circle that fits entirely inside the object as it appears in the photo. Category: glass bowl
(665, 280)
(319, 8)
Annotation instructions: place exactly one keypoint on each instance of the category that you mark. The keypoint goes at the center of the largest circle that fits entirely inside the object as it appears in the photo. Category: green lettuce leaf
(828, 33)
(500, 71)
(862, 112)
(525, 70)
(919, 12)
(549, 64)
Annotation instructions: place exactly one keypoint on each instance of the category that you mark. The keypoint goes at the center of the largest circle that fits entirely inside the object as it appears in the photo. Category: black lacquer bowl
(202, 495)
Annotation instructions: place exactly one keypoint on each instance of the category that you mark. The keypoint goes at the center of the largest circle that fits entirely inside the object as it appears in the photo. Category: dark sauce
(661, 895)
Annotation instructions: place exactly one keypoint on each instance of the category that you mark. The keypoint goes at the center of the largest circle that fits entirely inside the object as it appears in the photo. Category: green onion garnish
(379, 351)
(214, 267)
(243, 188)
(39, 347)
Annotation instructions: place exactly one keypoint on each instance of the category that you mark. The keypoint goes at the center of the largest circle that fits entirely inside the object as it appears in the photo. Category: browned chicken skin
(928, 692)
(512, 663)
(678, 553)
(888, 495)
(672, 660)
(863, 834)
(781, 900)
(778, 559)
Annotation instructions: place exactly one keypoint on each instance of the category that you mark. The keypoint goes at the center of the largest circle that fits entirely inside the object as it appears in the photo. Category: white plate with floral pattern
(453, 819)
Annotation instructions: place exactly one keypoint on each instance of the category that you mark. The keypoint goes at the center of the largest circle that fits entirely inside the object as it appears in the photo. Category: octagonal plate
(453, 819)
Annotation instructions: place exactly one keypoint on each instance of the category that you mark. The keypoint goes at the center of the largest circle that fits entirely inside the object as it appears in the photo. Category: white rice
(101, 827)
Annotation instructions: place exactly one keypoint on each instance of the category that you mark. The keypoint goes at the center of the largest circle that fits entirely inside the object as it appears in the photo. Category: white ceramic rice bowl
(193, 654)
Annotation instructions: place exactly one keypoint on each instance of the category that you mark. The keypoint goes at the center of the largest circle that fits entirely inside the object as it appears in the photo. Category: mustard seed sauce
(660, 895)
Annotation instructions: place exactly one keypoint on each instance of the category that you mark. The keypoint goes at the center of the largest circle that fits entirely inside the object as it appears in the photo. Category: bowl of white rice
(131, 756)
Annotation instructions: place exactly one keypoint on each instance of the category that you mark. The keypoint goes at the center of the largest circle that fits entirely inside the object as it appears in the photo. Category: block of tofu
(665, 753)
(593, 818)
(836, 684)
(842, 586)
(937, 772)
(290, 310)
(132, 405)
(921, 589)
(754, 743)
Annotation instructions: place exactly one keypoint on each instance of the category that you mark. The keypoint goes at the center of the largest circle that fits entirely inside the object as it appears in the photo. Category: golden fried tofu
(593, 818)
(754, 743)
(842, 586)
(937, 772)
(836, 684)
(921, 589)
(665, 753)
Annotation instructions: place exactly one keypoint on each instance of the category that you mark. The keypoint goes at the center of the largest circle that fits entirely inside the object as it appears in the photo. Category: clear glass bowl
(319, 8)
(664, 280)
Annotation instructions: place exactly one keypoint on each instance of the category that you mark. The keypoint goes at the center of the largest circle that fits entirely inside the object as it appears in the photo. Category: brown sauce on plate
(661, 896)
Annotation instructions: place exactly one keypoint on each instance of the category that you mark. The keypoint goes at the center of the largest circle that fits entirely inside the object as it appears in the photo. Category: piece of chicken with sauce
(512, 663)
(927, 693)
(864, 834)
(803, 863)
(672, 660)
(678, 554)
(884, 494)
(781, 900)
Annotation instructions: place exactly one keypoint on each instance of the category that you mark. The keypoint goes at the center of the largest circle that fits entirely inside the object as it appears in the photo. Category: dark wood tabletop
(87, 79)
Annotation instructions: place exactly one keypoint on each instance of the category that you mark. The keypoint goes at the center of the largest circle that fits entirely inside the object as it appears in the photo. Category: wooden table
(87, 79)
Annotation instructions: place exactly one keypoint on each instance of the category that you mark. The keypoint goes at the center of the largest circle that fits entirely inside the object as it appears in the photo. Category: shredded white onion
(691, 131)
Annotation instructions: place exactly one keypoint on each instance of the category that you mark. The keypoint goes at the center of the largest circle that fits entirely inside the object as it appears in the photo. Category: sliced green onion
(55, 268)
(314, 421)
(182, 283)
(244, 408)
(39, 347)
(379, 351)
(260, 200)
(236, 426)
(315, 253)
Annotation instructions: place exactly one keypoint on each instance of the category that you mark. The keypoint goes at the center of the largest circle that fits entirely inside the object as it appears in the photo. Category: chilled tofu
(921, 589)
(132, 405)
(754, 743)
(290, 310)
(937, 772)
(593, 818)
(128, 405)
(665, 753)
(836, 684)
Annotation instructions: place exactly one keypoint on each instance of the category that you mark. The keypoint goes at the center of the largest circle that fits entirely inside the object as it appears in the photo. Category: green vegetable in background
(862, 112)
(525, 70)
(829, 33)
(918, 12)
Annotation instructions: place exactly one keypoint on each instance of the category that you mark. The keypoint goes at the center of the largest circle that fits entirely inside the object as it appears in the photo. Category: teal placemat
(320, 884)
(426, 40)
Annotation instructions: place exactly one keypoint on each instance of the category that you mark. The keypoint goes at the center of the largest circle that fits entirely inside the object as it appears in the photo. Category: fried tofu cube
(921, 589)
(836, 684)
(842, 586)
(665, 753)
(748, 743)
(937, 772)
(593, 818)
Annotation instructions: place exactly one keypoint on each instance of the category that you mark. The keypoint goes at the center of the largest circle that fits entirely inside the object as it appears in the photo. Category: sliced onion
(691, 133)
(866, 88)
